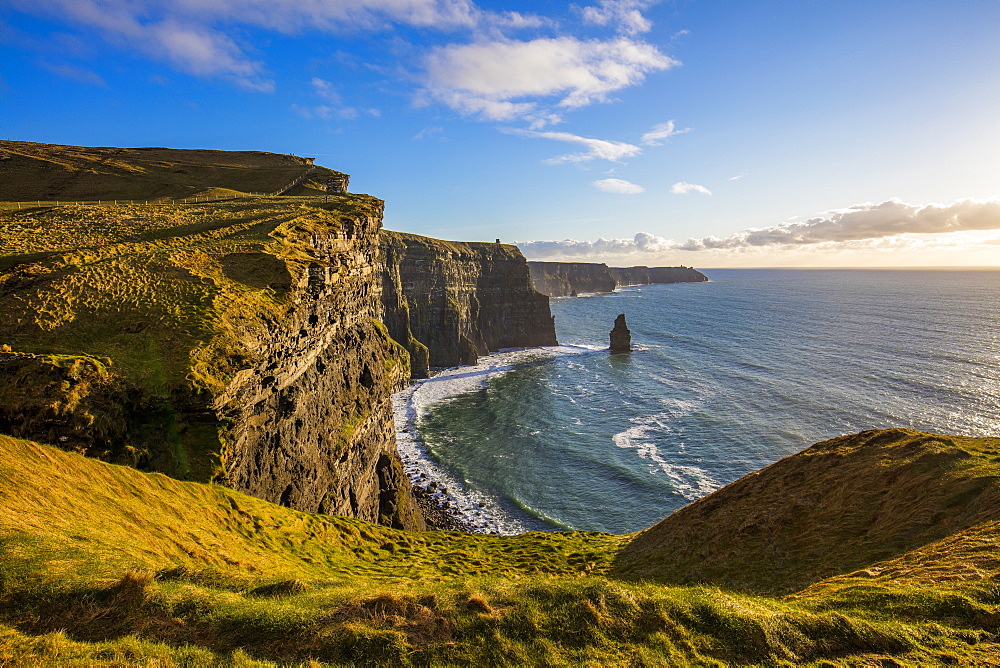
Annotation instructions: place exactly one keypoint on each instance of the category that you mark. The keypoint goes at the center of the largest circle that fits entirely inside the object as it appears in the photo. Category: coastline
(447, 502)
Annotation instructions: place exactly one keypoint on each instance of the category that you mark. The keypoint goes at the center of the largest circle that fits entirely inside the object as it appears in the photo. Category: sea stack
(621, 338)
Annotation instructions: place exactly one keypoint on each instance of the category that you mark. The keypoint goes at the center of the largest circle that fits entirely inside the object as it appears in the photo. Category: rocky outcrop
(568, 279)
(450, 302)
(621, 337)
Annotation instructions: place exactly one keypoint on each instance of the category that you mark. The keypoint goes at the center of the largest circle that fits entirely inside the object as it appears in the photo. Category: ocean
(726, 377)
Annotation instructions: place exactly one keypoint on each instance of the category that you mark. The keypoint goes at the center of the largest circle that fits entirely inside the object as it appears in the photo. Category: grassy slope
(31, 171)
(105, 565)
(836, 507)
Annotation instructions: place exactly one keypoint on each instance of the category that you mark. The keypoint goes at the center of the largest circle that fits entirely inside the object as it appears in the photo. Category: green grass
(105, 565)
(837, 507)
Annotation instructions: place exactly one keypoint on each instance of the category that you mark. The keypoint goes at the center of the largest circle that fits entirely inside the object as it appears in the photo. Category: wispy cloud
(625, 14)
(736, 178)
(428, 132)
(333, 106)
(662, 132)
(191, 35)
(597, 149)
(80, 74)
(618, 186)
(683, 188)
(487, 71)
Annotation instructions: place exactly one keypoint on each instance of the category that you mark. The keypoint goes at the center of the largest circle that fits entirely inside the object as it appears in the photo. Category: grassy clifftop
(142, 306)
(105, 565)
(32, 171)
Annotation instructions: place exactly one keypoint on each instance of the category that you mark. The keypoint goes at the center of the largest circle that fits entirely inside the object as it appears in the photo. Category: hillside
(30, 171)
(836, 507)
(106, 565)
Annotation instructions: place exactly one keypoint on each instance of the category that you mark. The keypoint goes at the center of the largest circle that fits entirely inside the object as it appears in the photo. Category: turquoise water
(729, 376)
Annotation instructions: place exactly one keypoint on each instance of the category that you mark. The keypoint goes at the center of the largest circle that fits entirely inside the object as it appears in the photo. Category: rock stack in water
(621, 338)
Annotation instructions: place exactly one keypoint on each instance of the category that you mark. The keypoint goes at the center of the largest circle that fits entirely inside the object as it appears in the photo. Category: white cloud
(736, 178)
(80, 74)
(618, 186)
(661, 132)
(494, 77)
(498, 79)
(185, 33)
(597, 149)
(571, 248)
(890, 226)
(865, 221)
(625, 14)
(683, 188)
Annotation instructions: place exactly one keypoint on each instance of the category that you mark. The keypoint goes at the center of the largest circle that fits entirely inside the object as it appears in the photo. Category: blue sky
(709, 133)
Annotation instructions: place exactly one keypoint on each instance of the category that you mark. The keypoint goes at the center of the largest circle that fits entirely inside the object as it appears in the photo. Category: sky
(703, 133)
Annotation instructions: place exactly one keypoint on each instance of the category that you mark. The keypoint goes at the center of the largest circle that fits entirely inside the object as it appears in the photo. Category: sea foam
(411, 405)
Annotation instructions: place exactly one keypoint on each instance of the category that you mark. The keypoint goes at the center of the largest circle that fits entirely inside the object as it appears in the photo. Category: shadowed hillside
(31, 171)
(838, 506)
(108, 566)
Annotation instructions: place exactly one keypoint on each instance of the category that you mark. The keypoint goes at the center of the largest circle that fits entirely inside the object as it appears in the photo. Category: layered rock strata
(460, 300)
(568, 279)
(313, 422)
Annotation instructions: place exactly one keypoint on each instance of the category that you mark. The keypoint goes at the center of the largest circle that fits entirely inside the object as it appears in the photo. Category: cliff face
(238, 342)
(460, 300)
(566, 279)
(312, 421)
(650, 275)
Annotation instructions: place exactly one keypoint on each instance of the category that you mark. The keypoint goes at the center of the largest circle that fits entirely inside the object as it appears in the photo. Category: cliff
(652, 275)
(251, 341)
(460, 300)
(566, 279)
(239, 342)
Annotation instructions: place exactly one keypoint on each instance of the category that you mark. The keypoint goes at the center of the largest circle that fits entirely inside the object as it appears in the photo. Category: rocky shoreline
(446, 503)
(439, 514)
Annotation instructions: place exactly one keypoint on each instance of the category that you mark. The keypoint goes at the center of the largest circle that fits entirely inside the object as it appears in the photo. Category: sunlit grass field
(106, 565)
